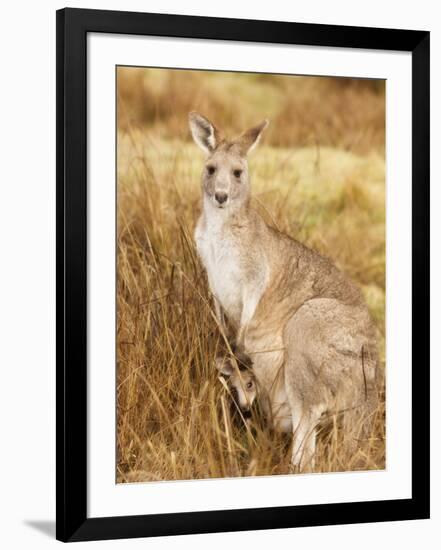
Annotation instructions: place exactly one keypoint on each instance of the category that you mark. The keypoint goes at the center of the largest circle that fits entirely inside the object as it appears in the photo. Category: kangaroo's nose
(221, 197)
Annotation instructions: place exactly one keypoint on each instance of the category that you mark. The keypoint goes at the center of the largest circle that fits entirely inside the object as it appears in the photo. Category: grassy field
(318, 175)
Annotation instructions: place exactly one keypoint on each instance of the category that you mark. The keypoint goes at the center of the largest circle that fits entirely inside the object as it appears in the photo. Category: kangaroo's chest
(222, 260)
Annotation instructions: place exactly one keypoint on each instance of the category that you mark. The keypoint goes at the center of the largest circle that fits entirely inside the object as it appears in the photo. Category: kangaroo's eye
(237, 173)
(211, 170)
(249, 385)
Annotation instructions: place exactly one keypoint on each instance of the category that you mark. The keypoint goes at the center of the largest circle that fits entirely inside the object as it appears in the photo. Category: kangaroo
(303, 323)
(242, 382)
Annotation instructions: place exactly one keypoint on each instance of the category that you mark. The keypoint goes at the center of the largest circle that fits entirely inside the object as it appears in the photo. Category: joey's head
(242, 383)
(225, 178)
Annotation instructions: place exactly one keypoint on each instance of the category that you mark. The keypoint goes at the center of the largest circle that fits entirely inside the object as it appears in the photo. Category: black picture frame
(71, 426)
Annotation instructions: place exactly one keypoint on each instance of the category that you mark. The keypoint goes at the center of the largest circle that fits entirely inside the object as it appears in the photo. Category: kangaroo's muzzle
(220, 197)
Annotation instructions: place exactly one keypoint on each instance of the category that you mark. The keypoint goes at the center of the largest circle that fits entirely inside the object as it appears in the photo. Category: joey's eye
(249, 385)
(237, 173)
(211, 170)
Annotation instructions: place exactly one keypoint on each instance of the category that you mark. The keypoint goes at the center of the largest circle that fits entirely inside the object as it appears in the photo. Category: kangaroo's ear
(250, 138)
(205, 134)
(224, 366)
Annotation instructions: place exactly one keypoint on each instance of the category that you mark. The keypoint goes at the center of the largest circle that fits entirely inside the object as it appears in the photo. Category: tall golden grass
(316, 176)
(337, 112)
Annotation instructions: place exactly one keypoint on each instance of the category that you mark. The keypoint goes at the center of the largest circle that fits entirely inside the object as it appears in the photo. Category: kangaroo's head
(225, 178)
(242, 383)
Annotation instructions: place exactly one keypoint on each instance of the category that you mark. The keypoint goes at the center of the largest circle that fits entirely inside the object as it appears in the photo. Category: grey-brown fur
(301, 320)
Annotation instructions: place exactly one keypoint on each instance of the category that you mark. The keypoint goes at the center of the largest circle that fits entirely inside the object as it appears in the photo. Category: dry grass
(174, 417)
(336, 112)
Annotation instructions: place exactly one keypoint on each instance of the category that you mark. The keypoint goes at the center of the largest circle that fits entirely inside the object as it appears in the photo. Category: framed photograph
(242, 275)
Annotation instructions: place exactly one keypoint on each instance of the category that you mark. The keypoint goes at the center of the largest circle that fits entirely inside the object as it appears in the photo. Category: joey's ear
(224, 366)
(205, 134)
(244, 361)
(250, 138)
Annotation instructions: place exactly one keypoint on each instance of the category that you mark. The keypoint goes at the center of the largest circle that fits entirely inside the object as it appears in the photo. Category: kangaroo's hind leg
(305, 414)
(330, 365)
(304, 436)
